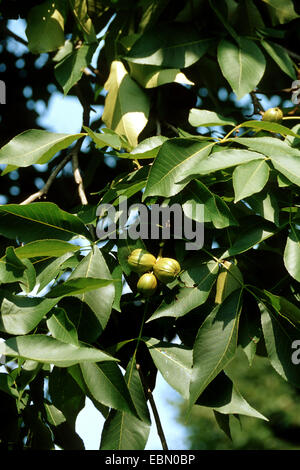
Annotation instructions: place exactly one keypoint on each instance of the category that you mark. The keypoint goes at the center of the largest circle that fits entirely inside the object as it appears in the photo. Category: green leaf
(124, 115)
(80, 12)
(223, 422)
(123, 431)
(269, 126)
(269, 146)
(215, 344)
(116, 274)
(66, 395)
(99, 300)
(281, 57)
(279, 337)
(282, 307)
(35, 146)
(45, 248)
(64, 50)
(265, 204)
(64, 433)
(202, 117)
(213, 4)
(77, 286)
(126, 186)
(61, 327)
(250, 331)
(50, 270)
(175, 156)
(107, 385)
(292, 253)
(174, 362)
(29, 280)
(284, 157)
(24, 375)
(215, 209)
(76, 373)
(20, 314)
(243, 66)
(229, 279)
(7, 385)
(281, 11)
(45, 27)
(148, 148)
(249, 178)
(249, 237)
(200, 279)
(254, 17)
(151, 76)
(41, 436)
(104, 139)
(54, 416)
(289, 166)
(42, 348)
(11, 267)
(38, 221)
(69, 70)
(219, 160)
(222, 395)
(176, 45)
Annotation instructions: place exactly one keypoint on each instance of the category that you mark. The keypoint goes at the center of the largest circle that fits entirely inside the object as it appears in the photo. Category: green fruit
(141, 261)
(166, 269)
(147, 284)
(273, 115)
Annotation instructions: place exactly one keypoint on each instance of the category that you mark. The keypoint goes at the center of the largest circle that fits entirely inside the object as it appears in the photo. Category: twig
(158, 127)
(257, 107)
(15, 36)
(46, 187)
(148, 392)
(173, 128)
(78, 179)
(75, 163)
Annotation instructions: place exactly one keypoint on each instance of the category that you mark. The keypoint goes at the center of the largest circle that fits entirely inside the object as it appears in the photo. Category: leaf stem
(221, 141)
(146, 309)
(148, 392)
(291, 117)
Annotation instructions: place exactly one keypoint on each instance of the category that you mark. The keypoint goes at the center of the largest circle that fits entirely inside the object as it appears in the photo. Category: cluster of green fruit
(151, 269)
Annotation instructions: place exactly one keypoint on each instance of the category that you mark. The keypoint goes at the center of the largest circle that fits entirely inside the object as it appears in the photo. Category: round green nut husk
(141, 261)
(166, 269)
(273, 115)
(147, 284)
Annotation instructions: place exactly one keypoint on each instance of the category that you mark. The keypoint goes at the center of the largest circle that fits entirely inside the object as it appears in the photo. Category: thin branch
(75, 162)
(257, 107)
(46, 187)
(158, 127)
(148, 392)
(15, 36)
(78, 179)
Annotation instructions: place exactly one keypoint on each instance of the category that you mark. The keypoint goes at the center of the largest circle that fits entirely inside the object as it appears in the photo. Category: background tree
(174, 78)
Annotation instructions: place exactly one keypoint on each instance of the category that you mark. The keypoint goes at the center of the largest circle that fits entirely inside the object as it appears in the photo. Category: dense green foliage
(181, 84)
